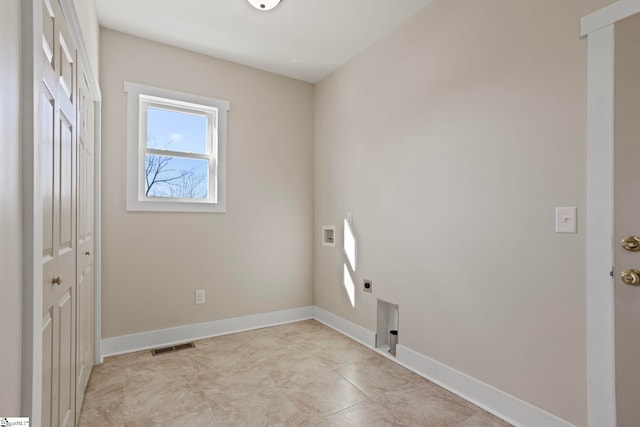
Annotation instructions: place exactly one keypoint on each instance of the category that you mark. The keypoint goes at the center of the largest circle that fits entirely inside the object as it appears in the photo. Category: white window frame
(139, 98)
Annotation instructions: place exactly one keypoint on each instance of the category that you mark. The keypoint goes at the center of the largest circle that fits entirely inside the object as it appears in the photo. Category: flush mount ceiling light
(264, 4)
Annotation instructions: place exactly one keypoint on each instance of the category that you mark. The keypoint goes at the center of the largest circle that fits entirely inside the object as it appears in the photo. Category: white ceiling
(303, 39)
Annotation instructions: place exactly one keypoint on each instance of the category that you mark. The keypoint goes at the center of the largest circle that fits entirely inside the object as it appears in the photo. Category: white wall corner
(345, 327)
(170, 336)
(487, 397)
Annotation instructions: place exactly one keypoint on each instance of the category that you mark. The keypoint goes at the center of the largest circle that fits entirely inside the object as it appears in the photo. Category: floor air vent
(172, 348)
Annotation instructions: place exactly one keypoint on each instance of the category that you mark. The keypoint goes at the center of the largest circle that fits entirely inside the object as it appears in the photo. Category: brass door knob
(88, 253)
(631, 243)
(631, 277)
(57, 280)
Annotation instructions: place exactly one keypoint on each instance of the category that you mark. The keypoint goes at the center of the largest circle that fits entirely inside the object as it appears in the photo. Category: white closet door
(58, 174)
(85, 286)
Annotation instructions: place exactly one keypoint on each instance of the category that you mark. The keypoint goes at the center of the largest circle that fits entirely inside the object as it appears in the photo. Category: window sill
(159, 206)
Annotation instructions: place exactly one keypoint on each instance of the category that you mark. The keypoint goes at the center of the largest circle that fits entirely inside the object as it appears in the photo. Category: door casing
(599, 27)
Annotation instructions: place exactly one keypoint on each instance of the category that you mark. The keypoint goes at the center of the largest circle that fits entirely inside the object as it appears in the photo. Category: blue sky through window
(176, 131)
(177, 177)
(173, 175)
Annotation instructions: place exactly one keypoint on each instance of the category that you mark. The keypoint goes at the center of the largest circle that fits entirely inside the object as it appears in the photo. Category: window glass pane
(176, 131)
(178, 177)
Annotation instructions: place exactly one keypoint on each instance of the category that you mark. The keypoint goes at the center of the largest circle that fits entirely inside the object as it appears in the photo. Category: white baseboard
(489, 398)
(345, 327)
(165, 337)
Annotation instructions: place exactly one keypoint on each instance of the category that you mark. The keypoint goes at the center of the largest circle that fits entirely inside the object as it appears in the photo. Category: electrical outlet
(367, 285)
(200, 296)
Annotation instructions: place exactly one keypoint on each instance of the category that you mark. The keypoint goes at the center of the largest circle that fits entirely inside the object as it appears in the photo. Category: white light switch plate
(566, 220)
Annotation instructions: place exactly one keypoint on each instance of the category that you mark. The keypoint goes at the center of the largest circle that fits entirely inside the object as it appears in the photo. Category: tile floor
(299, 374)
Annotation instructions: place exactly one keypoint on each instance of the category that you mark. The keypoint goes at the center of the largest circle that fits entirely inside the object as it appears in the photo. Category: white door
(627, 220)
(85, 251)
(58, 174)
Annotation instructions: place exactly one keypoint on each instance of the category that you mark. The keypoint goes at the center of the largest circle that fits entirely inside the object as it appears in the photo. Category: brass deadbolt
(631, 243)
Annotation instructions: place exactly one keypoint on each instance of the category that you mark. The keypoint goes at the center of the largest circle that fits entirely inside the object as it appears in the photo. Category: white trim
(97, 202)
(600, 29)
(497, 402)
(31, 71)
(608, 15)
(164, 337)
(489, 398)
(73, 22)
(345, 327)
(91, 75)
(134, 202)
(600, 304)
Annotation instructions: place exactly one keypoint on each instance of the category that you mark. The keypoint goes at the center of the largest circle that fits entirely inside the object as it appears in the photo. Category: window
(176, 151)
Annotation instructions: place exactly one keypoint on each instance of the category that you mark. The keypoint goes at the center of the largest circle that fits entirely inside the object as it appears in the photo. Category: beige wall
(10, 260)
(255, 258)
(88, 17)
(452, 141)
